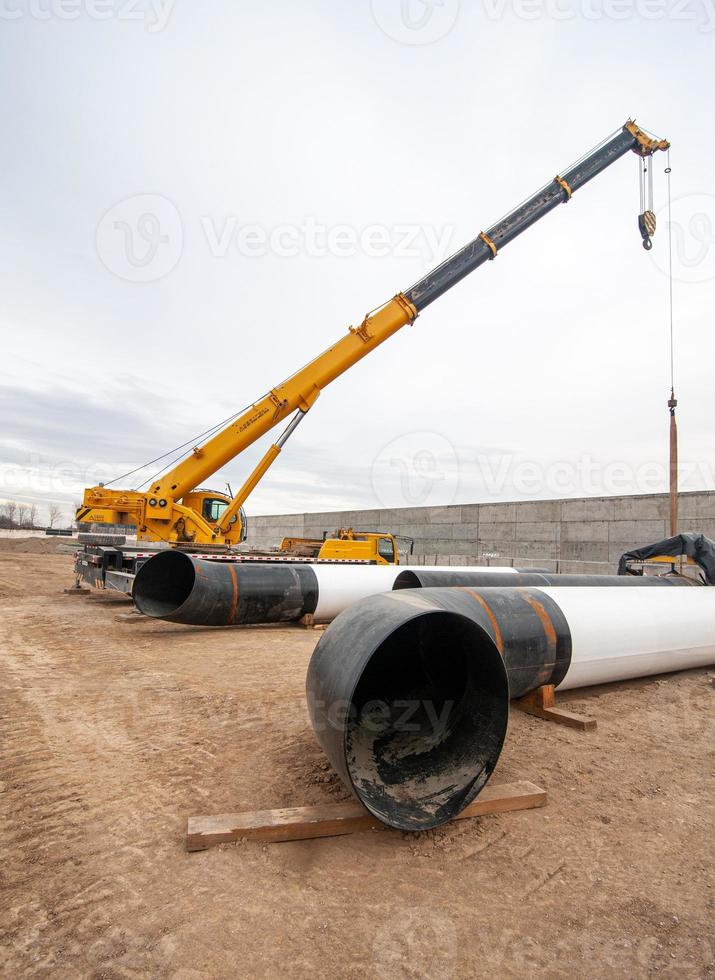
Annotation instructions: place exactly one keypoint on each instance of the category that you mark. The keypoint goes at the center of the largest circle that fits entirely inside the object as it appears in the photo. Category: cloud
(75, 425)
(55, 441)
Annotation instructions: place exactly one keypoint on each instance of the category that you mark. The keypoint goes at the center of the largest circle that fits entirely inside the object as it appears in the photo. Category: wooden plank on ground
(110, 598)
(334, 819)
(541, 703)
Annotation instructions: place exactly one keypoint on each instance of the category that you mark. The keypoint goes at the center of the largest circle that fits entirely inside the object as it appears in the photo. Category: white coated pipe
(618, 634)
(341, 585)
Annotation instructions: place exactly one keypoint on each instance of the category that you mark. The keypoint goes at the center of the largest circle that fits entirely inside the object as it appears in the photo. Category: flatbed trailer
(114, 567)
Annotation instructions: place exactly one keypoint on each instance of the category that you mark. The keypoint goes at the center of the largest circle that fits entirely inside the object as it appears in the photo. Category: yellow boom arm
(157, 512)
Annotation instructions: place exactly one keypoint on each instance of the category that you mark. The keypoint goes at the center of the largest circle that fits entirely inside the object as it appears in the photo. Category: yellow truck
(345, 544)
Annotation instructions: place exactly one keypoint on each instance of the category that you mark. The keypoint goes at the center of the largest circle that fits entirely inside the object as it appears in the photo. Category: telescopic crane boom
(173, 510)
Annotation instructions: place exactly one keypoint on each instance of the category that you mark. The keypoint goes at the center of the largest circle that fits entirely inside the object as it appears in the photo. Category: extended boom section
(488, 243)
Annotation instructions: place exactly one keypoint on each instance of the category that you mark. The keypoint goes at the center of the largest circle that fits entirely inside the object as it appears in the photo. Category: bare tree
(23, 513)
(10, 511)
(54, 513)
(33, 516)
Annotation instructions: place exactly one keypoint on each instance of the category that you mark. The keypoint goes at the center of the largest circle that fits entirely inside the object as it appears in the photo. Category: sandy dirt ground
(113, 731)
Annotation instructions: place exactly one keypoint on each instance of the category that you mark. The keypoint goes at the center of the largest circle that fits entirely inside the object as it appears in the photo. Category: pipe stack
(408, 690)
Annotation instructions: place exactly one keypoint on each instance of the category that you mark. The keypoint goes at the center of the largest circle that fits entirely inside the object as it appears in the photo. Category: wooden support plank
(309, 622)
(541, 703)
(335, 819)
(110, 598)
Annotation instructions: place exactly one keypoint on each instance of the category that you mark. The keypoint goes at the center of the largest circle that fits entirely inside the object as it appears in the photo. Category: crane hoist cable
(646, 218)
(191, 442)
(672, 401)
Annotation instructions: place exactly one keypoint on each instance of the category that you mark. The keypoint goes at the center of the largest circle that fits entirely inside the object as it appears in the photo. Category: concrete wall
(561, 535)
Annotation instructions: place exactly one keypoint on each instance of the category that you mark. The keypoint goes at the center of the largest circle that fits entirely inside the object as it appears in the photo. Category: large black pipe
(408, 692)
(183, 589)
(450, 658)
(416, 578)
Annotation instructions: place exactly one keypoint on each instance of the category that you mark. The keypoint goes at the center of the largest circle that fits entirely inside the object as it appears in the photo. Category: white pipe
(341, 585)
(618, 634)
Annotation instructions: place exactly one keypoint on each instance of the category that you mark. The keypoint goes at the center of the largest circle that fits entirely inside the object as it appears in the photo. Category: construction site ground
(115, 728)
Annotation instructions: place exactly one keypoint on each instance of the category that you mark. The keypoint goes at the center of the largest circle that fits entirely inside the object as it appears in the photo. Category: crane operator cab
(211, 504)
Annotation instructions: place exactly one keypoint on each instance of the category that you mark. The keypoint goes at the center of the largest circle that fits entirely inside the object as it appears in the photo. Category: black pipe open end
(164, 583)
(427, 721)
(407, 580)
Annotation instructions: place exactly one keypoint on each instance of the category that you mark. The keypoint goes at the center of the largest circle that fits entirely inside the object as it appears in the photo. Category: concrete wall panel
(587, 534)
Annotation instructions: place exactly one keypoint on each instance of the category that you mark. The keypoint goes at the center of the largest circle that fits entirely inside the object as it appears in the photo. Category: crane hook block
(646, 226)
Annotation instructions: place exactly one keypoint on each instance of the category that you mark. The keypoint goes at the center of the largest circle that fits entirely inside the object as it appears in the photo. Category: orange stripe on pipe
(546, 621)
(492, 619)
(234, 583)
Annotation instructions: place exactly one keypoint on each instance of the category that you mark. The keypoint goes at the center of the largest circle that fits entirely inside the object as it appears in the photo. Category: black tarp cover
(695, 546)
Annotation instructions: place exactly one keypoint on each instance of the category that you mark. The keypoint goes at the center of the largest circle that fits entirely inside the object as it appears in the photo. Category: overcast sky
(199, 197)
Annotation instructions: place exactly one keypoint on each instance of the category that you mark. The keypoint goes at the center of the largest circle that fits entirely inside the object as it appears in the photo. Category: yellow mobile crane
(173, 509)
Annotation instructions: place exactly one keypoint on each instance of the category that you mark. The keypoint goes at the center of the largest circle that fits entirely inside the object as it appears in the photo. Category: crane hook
(646, 226)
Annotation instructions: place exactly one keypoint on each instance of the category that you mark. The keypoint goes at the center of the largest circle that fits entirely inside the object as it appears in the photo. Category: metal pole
(672, 403)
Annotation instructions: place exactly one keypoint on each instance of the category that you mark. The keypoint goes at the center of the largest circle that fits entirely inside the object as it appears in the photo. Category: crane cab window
(213, 509)
(386, 549)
